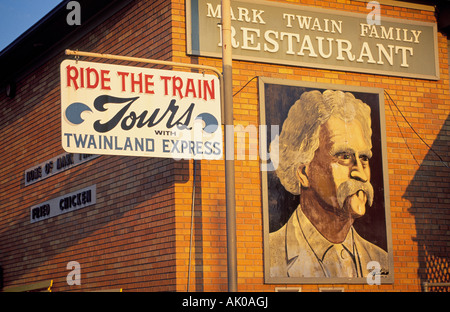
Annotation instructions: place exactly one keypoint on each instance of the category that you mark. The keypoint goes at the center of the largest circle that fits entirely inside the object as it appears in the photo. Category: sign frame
(193, 40)
(268, 185)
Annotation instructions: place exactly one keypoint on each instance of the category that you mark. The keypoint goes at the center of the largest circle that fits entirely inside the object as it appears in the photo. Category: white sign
(131, 111)
(66, 203)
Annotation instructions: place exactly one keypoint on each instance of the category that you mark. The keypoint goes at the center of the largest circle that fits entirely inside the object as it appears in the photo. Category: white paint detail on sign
(131, 111)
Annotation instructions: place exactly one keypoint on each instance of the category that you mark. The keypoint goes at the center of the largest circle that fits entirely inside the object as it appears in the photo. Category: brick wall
(419, 182)
(127, 239)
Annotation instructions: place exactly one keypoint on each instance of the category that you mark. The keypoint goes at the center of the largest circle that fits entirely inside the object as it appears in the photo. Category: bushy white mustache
(351, 187)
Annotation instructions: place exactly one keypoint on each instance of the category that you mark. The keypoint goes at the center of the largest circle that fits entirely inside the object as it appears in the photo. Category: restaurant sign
(131, 111)
(288, 34)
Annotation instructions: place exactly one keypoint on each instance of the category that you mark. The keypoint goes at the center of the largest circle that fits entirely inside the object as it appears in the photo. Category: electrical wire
(192, 225)
(393, 102)
(245, 85)
(404, 139)
(414, 130)
(193, 205)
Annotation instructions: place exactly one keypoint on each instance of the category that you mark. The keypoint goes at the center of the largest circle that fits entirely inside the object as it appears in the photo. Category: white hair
(299, 138)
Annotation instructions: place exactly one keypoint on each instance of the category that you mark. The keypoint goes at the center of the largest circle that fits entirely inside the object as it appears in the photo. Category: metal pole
(227, 102)
(229, 146)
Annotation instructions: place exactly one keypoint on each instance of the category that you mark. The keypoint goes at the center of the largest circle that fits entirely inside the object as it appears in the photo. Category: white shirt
(298, 249)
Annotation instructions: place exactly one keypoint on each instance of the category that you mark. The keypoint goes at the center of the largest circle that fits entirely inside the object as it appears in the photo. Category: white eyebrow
(345, 149)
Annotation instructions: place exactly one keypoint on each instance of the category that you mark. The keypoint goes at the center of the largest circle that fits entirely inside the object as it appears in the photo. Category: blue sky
(16, 16)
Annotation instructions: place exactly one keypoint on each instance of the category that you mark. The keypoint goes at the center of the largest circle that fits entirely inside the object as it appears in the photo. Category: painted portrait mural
(326, 204)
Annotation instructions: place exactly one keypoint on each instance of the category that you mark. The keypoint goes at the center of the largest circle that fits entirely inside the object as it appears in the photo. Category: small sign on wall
(69, 202)
(54, 166)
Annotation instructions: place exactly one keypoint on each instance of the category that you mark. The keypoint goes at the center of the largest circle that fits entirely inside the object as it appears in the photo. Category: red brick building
(136, 234)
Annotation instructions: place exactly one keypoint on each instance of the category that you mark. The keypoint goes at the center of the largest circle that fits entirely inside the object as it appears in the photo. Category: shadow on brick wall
(123, 241)
(429, 195)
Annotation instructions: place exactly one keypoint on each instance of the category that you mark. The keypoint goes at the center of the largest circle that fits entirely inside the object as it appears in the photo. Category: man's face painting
(339, 173)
